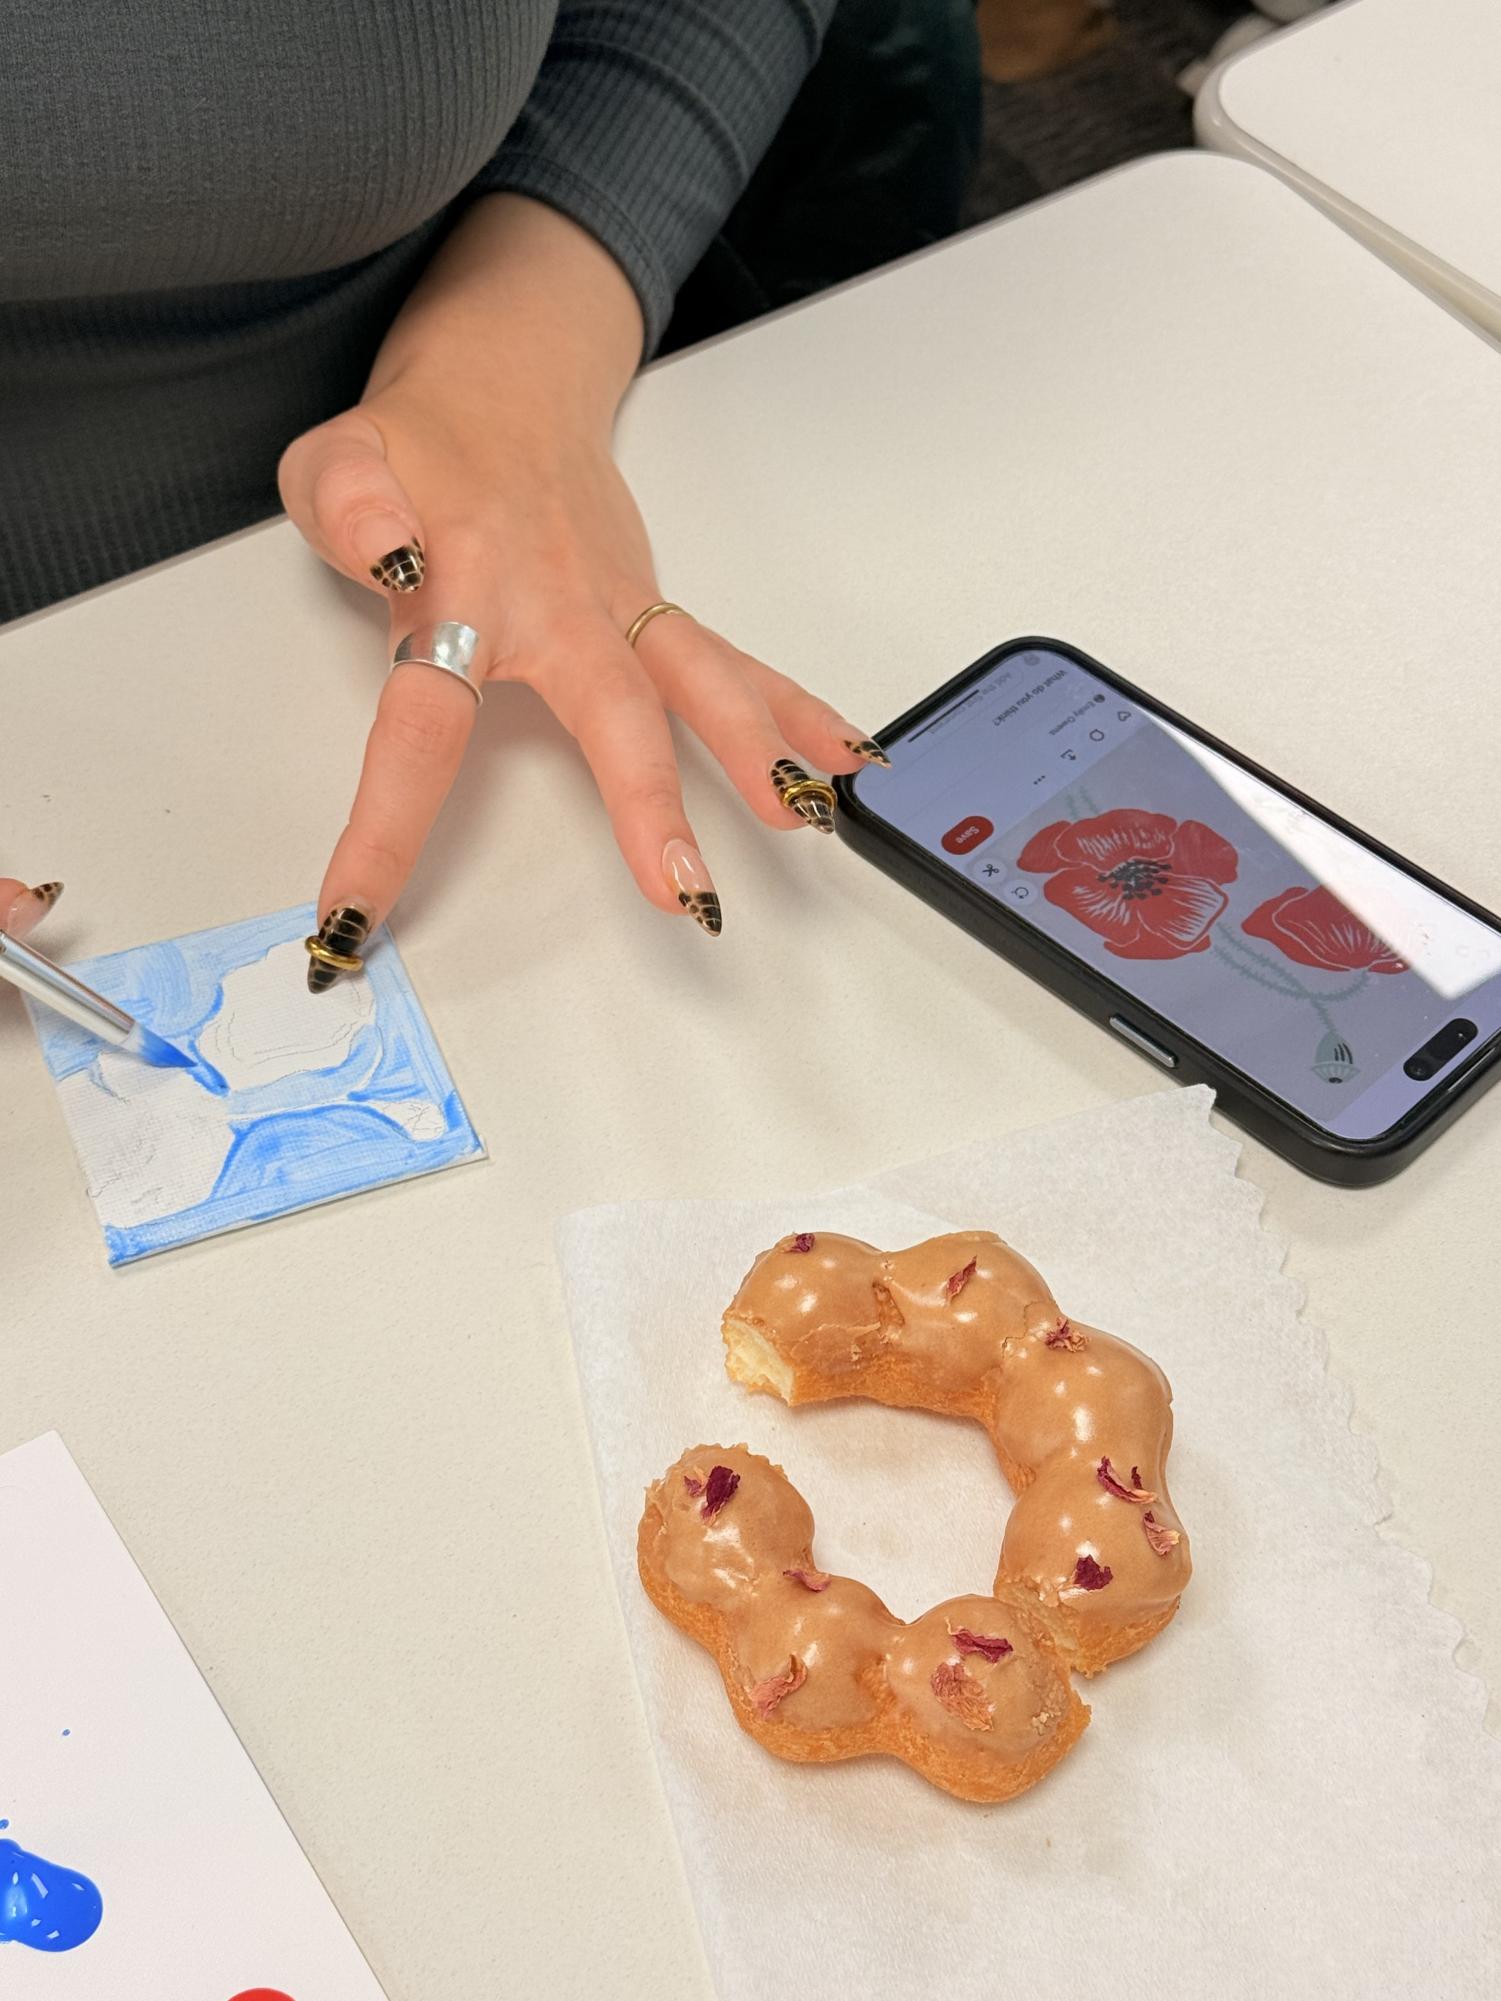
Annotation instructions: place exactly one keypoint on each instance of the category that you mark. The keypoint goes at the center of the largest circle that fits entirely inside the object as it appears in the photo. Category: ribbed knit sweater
(211, 210)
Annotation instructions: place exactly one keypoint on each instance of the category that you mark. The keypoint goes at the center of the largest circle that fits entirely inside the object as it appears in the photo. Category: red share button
(967, 835)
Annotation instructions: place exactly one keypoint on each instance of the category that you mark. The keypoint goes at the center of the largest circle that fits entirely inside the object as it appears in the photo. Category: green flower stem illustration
(1272, 974)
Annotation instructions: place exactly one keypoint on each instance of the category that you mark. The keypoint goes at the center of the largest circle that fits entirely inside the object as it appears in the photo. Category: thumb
(343, 496)
(22, 909)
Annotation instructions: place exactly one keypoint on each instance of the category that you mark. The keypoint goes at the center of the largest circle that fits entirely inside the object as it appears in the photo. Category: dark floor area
(1112, 105)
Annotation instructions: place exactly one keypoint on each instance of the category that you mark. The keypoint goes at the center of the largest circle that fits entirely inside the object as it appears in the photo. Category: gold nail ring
(663, 610)
(344, 962)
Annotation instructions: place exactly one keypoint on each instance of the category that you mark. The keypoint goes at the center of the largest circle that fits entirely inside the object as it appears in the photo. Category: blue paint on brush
(43, 1905)
(153, 1048)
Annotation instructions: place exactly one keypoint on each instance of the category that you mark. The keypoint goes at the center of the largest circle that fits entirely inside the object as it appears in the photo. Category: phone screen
(1308, 962)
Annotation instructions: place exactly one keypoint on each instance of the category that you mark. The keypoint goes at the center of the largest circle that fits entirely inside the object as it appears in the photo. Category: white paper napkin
(1288, 1793)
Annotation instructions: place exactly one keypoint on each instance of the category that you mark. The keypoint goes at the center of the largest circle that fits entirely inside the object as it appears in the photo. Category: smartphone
(1344, 1005)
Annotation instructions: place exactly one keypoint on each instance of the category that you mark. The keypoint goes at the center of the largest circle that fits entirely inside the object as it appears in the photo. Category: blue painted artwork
(43, 1905)
(293, 1098)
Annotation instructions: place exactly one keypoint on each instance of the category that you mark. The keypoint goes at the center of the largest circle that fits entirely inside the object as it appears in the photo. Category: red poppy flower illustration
(1148, 885)
(1314, 927)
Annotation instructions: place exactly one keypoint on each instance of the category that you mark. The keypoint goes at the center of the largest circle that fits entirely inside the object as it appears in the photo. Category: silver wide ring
(451, 647)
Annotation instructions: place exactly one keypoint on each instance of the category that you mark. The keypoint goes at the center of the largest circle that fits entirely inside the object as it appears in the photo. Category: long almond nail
(338, 939)
(812, 799)
(869, 749)
(30, 907)
(685, 869)
(401, 569)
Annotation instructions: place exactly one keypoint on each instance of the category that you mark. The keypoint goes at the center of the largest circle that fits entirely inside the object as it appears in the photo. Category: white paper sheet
(1288, 1793)
(149, 1861)
(296, 1098)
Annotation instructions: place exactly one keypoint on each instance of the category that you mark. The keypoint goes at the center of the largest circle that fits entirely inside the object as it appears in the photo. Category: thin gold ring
(808, 788)
(663, 610)
(344, 962)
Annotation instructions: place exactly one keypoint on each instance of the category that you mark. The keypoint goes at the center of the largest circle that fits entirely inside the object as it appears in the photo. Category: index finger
(422, 724)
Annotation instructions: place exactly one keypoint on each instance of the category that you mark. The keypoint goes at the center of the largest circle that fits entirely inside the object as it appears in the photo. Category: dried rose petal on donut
(694, 1485)
(1092, 1576)
(717, 1489)
(957, 1281)
(962, 1696)
(991, 1645)
(811, 1580)
(776, 1687)
(803, 1241)
(1163, 1539)
(1066, 1335)
(1135, 1492)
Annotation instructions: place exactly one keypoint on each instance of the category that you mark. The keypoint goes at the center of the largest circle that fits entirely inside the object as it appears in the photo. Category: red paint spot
(261, 1994)
(968, 834)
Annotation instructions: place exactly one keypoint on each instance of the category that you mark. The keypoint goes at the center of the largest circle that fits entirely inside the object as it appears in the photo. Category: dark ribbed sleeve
(647, 118)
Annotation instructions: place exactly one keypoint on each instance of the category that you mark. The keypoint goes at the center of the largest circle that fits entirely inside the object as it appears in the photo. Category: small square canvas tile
(294, 1098)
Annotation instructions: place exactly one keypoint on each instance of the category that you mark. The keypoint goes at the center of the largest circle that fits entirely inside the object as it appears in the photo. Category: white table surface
(1385, 113)
(1177, 417)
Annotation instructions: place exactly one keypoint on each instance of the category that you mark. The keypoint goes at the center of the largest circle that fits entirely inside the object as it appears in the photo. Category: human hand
(495, 460)
(22, 909)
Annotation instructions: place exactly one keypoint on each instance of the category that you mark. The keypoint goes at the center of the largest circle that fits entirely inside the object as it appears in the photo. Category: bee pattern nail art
(810, 798)
(869, 749)
(401, 569)
(344, 930)
(703, 905)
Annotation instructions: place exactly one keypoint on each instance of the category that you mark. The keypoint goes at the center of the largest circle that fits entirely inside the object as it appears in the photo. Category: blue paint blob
(67, 1733)
(3, 1825)
(43, 1905)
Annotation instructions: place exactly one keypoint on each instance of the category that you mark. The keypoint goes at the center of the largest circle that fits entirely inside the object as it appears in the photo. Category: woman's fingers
(416, 744)
(21, 908)
(818, 732)
(707, 682)
(595, 686)
(339, 490)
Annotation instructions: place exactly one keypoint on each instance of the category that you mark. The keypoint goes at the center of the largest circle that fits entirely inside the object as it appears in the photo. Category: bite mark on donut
(752, 1361)
(765, 1695)
(955, 1283)
(1091, 1576)
(991, 1645)
(811, 1580)
(962, 1696)
(1163, 1539)
(1108, 1480)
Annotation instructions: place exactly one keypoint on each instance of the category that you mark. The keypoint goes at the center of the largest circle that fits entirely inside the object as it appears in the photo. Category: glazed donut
(975, 1694)
(1080, 1421)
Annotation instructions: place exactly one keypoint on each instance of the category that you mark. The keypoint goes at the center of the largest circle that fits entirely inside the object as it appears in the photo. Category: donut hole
(912, 1504)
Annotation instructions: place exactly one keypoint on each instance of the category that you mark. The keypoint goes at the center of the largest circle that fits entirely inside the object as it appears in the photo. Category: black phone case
(1349, 1163)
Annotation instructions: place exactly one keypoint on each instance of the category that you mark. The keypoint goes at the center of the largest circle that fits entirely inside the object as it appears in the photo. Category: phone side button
(1144, 1043)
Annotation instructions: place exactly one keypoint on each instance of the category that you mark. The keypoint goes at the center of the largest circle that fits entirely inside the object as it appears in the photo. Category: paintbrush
(57, 988)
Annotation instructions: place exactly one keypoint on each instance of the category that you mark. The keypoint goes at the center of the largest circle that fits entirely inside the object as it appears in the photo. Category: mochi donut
(972, 1695)
(1080, 1421)
(975, 1694)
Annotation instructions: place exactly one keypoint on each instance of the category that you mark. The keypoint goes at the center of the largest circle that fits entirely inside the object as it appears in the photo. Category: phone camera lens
(1440, 1049)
